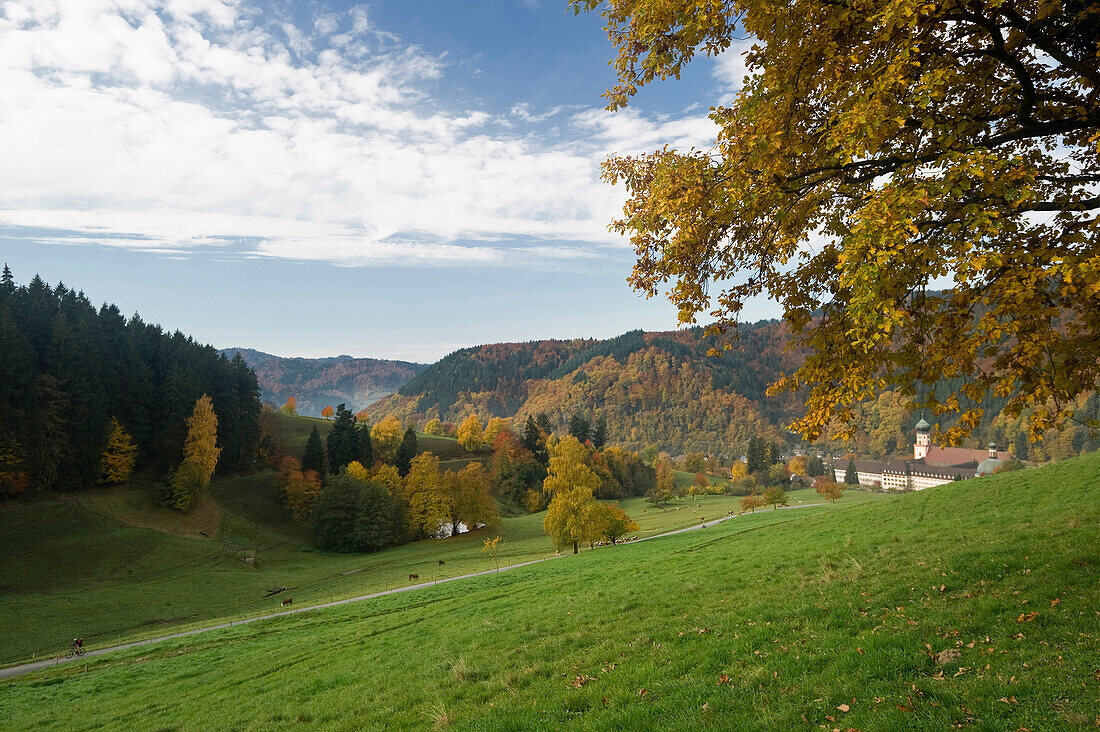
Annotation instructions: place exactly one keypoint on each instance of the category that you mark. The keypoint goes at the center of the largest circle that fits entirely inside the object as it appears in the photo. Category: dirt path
(27, 668)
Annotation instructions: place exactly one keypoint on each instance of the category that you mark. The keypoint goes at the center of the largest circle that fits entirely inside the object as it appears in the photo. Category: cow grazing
(441, 562)
(288, 601)
(414, 577)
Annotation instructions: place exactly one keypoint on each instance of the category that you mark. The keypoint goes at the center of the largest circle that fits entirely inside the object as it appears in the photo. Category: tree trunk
(574, 547)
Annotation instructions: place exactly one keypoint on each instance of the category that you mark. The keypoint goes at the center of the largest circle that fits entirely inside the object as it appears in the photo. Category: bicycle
(77, 649)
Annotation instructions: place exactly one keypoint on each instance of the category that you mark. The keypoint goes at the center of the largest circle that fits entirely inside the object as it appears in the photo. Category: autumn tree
(434, 427)
(200, 455)
(427, 500)
(700, 484)
(314, 456)
(570, 483)
(327, 412)
(385, 438)
(291, 406)
(14, 478)
(874, 149)
(119, 457)
(775, 496)
(468, 499)
(738, 470)
(829, 489)
(493, 428)
(300, 488)
(492, 547)
(469, 433)
(356, 470)
(610, 522)
(751, 502)
(406, 451)
(799, 465)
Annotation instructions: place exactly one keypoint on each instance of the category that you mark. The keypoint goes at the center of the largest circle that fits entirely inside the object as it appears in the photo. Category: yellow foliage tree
(428, 502)
(385, 436)
(493, 428)
(469, 433)
(200, 455)
(570, 484)
(388, 476)
(201, 446)
(469, 498)
(739, 470)
(117, 463)
(799, 465)
(356, 470)
(434, 427)
(909, 141)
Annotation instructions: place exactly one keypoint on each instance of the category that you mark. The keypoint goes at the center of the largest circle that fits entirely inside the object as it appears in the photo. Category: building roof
(923, 426)
(921, 468)
(937, 455)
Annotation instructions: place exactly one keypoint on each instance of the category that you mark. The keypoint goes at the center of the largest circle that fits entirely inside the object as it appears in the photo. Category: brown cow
(288, 601)
(413, 577)
(441, 562)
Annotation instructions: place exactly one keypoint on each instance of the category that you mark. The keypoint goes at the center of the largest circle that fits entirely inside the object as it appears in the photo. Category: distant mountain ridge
(319, 382)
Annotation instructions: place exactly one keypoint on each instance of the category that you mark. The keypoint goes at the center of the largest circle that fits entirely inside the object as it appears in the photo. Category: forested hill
(653, 388)
(319, 382)
(663, 389)
(69, 370)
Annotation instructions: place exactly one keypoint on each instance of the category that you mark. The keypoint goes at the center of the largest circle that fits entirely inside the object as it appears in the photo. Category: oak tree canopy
(878, 150)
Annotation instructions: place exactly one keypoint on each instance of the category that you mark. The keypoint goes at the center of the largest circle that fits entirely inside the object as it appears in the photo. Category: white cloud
(177, 125)
(731, 67)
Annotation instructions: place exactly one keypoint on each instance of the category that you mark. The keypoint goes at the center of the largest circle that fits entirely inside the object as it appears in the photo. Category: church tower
(924, 430)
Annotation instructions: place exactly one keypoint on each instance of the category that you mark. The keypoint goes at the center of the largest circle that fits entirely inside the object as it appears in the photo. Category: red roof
(957, 455)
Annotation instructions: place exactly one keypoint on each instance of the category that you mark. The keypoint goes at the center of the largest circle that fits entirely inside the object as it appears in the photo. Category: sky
(392, 179)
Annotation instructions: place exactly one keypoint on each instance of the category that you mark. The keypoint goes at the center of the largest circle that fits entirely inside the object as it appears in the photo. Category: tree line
(80, 384)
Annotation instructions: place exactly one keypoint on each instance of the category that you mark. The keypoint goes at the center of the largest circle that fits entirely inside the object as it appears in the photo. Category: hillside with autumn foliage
(315, 383)
(652, 388)
(665, 389)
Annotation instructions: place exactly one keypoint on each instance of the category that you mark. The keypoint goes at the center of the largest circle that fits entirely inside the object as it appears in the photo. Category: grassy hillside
(111, 566)
(817, 617)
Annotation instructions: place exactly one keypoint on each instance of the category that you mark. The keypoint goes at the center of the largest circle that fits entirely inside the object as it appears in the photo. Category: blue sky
(392, 179)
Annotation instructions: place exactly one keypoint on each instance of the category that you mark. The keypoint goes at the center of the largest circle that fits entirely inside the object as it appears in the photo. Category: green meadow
(972, 605)
(112, 567)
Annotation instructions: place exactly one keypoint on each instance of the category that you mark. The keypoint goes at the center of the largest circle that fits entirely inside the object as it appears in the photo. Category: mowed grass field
(106, 566)
(823, 617)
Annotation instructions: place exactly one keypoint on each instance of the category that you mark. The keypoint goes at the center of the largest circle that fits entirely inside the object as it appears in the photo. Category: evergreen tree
(580, 427)
(757, 455)
(343, 440)
(599, 433)
(336, 521)
(7, 283)
(851, 476)
(815, 467)
(406, 451)
(542, 419)
(314, 457)
(365, 454)
(532, 438)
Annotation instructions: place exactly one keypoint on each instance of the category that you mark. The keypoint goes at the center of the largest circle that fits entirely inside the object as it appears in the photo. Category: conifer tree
(580, 428)
(406, 451)
(851, 476)
(343, 440)
(365, 454)
(314, 457)
(599, 433)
